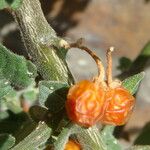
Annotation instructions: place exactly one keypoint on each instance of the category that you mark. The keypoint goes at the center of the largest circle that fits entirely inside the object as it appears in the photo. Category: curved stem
(101, 71)
(109, 65)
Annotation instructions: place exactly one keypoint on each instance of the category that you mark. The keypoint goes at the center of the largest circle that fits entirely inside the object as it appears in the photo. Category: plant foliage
(46, 124)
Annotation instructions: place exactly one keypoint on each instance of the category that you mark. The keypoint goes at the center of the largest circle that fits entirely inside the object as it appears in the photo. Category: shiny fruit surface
(119, 105)
(84, 103)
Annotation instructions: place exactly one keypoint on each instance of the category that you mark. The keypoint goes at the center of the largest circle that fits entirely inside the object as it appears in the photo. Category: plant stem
(101, 71)
(109, 65)
(41, 42)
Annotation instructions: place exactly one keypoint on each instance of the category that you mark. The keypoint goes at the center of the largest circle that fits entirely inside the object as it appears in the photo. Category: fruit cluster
(107, 102)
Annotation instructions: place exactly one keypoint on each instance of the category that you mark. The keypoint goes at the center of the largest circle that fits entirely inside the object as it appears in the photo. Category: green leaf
(6, 141)
(90, 139)
(124, 63)
(14, 4)
(133, 82)
(5, 87)
(14, 70)
(25, 129)
(12, 102)
(109, 139)
(52, 94)
(64, 136)
(35, 138)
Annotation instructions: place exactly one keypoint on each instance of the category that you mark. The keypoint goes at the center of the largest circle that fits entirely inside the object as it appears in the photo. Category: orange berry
(72, 145)
(119, 104)
(84, 103)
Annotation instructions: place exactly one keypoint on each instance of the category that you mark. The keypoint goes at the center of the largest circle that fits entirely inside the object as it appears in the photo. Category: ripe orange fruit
(104, 101)
(72, 145)
(119, 104)
(84, 103)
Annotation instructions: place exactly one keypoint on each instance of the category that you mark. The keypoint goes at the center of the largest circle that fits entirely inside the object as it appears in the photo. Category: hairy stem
(109, 65)
(41, 42)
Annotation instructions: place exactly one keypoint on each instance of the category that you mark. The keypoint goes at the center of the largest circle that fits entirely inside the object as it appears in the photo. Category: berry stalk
(101, 71)
(109, 65)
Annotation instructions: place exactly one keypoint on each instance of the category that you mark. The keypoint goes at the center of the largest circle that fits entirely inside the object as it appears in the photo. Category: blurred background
(124, 24)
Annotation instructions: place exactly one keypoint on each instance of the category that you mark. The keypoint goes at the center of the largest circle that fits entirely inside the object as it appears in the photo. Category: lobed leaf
(15, 71)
